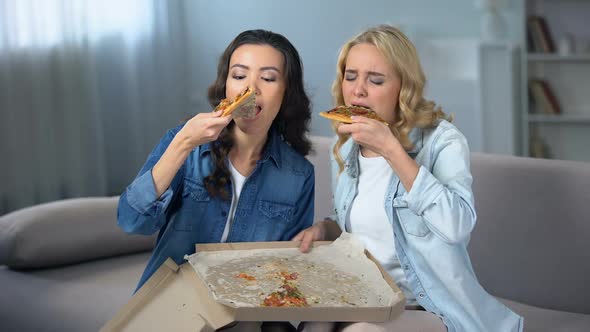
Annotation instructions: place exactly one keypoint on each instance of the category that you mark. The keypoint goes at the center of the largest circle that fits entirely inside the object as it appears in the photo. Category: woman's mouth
(360, 105)
(257, 111)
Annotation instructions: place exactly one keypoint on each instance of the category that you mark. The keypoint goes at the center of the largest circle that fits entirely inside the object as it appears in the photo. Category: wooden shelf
(567, 118)
(565, 135)
(553, 57)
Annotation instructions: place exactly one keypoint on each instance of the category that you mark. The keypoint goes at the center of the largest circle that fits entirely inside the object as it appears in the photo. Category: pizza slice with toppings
(344, 113)
(242, 106)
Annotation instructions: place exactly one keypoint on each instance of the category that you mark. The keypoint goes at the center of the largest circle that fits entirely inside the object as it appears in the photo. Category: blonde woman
(404, 188)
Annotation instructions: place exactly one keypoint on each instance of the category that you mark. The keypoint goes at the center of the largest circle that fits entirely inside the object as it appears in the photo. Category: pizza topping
(287, 276)
(350, 110)
(287, 296)
(246, 276)
(222, 105)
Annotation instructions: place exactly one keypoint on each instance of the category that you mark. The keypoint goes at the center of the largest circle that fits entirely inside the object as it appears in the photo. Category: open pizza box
(177, 298)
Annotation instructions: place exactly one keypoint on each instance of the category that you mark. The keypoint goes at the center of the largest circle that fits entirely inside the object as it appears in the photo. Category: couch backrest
(532, 239)
(320, 158)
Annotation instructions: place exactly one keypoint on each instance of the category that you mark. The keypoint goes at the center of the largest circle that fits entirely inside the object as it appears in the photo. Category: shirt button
(345, 206)
(223, 214)
(422, 295)
(406, 267)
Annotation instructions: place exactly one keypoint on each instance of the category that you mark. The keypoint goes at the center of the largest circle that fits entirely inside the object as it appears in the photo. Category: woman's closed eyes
(264, 78)
(375, 78)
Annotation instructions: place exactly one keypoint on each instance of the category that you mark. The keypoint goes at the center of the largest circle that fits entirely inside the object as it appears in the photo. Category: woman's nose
(254, 86)
(360, 90)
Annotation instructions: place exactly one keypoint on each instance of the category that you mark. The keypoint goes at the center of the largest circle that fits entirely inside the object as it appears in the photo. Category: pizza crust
(336, 117)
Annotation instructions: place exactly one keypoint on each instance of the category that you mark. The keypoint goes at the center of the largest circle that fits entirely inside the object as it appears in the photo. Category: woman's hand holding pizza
(371, 134)
(378, 138)
(203, 128)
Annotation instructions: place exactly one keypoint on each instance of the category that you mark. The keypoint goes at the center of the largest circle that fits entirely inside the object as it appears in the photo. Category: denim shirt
(276, 202)
(432, 225)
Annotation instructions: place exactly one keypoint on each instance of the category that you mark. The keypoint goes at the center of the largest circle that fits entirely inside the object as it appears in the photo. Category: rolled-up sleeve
(443, 197)
(139, 210)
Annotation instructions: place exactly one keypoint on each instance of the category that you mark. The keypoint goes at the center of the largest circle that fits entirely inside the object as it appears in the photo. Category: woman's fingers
(346, 128)
(306, 241)
(299, 236)
(307, 236)
(215, 114)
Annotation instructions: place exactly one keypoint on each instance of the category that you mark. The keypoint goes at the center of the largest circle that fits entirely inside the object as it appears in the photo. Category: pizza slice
(343, 113)
(242, 106)
(287, 296)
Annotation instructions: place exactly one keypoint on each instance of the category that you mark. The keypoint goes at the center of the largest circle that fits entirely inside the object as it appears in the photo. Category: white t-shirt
(368, 221)
(237, 181)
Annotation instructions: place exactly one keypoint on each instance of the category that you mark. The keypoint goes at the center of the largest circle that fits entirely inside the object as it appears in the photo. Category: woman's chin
(255, 126)
(250, 126)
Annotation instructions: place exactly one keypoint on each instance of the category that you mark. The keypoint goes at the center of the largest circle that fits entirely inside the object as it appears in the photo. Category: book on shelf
(542, 97)
(539, 35)
(538, 148)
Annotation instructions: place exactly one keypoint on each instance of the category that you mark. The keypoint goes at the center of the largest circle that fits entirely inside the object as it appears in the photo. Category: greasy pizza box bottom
(176, 298)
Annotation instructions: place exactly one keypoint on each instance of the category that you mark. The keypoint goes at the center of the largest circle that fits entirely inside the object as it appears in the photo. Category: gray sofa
(65, 266)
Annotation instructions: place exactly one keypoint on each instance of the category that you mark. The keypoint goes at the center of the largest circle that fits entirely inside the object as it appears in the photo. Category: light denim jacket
(432, 225)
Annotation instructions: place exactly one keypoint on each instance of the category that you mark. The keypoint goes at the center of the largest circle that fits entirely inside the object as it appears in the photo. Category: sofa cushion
(65, 232)
(80, 297)
(530, 243)
(539, 319)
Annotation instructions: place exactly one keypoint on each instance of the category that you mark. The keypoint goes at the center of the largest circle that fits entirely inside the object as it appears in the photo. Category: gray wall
(445, 33)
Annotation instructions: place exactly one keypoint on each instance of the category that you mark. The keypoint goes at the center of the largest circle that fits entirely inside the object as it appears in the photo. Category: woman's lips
(258, 111)
(360, 104)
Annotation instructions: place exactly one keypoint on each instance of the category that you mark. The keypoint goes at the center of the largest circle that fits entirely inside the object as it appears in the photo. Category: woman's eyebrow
(374, 73)
(240, 66)
(370, 73)
(270, 68)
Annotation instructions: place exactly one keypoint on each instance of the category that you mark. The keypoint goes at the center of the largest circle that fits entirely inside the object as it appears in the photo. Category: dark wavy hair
(292, 121)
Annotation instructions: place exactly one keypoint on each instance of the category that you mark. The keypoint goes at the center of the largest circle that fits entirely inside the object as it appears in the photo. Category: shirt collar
(271, 150)
(205, 148)
(416, 136)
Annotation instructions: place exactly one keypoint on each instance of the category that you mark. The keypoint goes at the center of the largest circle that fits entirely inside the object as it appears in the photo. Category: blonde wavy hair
(412, 109)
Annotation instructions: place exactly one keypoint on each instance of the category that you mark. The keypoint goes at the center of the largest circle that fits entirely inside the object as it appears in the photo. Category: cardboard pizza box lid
(171, 300)
(176, 298)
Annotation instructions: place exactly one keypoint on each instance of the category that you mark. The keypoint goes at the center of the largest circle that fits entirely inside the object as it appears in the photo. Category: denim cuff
(141, 195)
(424, 192)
